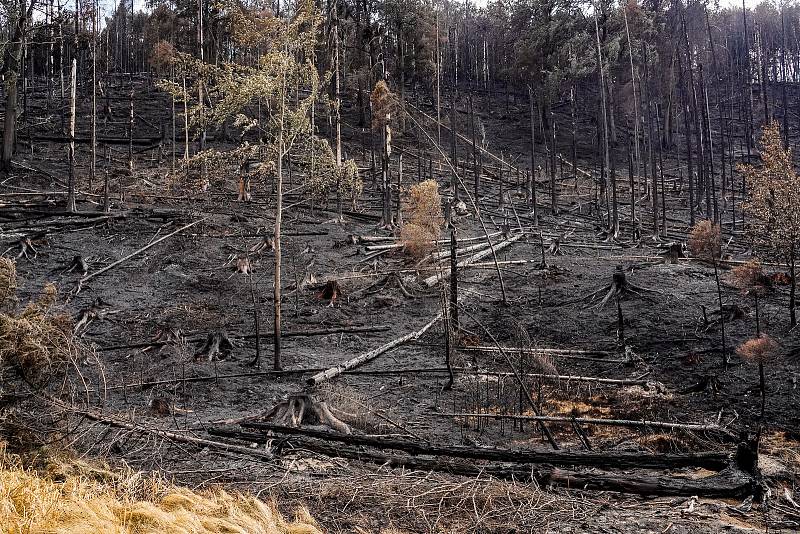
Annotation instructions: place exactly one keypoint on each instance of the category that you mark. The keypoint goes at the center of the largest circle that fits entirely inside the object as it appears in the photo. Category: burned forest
(399, 266)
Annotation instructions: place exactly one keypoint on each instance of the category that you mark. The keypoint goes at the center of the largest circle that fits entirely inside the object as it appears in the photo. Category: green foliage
(277, 92)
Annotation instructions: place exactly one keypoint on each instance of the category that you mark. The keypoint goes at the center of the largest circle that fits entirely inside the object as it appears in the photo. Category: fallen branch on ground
(137, 252)
(445, 274)
(370, 355)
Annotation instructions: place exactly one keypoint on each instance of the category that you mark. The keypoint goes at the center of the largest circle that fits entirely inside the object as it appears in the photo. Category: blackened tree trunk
(687, 129)
(11, 71)
(531, 193)
(453, 125)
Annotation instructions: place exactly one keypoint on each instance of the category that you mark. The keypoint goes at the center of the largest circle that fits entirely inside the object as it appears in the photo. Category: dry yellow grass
(423, 212)
(36, 338)
(705, 241)
(76, 498)
(417, 240)
(761, 349)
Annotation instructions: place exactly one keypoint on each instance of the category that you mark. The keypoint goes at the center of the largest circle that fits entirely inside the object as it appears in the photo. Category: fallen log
(731, 482)
(295, 333)
(445, 274)
(578, 378)
(607, 459)
(166, 434)
(695, 427)
(326, 331)
(536, 350)
(461, 251)
(137, 252)
(557, 353)
(370, 355)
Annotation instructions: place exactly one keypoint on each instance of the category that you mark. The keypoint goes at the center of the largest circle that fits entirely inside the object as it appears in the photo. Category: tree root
(98, 310)
(620, 287)
(267, 244)
(302, 408)
(706, 382)
(392, 281)
(167, 336)
(26, 249)
(555, 246)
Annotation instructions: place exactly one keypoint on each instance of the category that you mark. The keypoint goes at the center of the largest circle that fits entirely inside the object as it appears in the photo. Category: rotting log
(370, 355)
(438, 277)
(607, 459)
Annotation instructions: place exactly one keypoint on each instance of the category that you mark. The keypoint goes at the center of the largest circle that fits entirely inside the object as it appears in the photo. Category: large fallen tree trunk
(445, 274)
(370, 355)
(696, 427)
(608, 459)
(731, 482)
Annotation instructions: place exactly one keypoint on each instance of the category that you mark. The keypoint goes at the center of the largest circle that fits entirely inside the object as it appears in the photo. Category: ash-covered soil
(150, 316)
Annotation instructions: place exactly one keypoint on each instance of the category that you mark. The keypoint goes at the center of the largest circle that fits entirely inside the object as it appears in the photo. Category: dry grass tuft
(761, 349)
(8, 281)
(417, 241)
(423, 213)
(35, 339)
(77, 498)
(705, 241)
(750, 277)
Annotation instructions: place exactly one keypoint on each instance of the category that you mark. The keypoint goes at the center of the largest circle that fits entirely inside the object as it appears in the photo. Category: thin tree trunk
(71, 152)
(532, 177)
(337, 113)
(93, 161)
(793, 290)
(277, 237)
(721, 317)
(602, 102)
(11, 70)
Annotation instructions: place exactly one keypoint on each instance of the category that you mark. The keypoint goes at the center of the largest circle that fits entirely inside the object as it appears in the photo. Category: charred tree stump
(302, 408)
(619, 288)
(217, 346)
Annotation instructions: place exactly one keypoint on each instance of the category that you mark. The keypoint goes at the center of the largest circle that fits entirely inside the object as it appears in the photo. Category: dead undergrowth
(69, 496)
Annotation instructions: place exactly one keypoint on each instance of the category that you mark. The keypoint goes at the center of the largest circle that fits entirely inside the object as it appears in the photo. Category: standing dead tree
(774, 205)
(704, 244)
